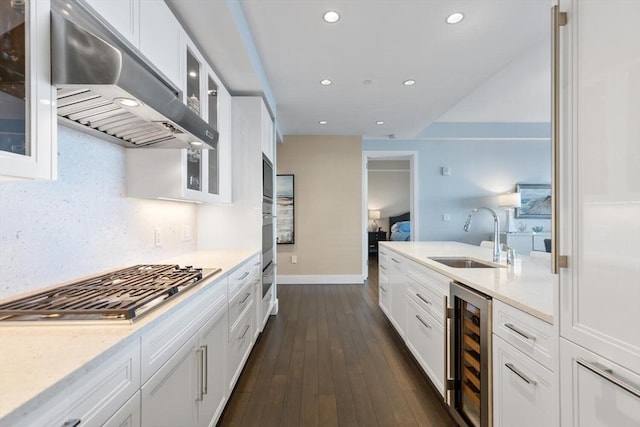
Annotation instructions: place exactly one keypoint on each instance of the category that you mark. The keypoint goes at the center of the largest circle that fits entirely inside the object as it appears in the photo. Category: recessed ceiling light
(331, 16)
(455, 17)
(193, 73)
(379, 122)
(325, 82)
(195, 144)
(409, 82)
(127, 102)
(323, 122)
(367, 82)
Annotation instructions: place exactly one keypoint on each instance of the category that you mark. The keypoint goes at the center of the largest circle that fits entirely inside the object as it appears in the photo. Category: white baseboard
(351, 279)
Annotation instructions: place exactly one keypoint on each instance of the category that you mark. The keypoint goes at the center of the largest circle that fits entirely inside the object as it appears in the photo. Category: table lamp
(374, 214)
(510, 201)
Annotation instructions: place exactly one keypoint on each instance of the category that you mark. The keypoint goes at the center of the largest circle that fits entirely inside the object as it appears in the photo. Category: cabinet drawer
(425, 339)
(239, 304)
(529, 334)
(239, 346)
(595, 391)
(169, 332)
(524, 392)
(426, 298)
(94, 397)
(128, 415)
(435, 281)
(243, 275)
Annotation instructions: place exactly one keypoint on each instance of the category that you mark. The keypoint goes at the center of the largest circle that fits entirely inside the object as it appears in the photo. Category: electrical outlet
(446, 217)
(294, 259)
(158, 238)
(186, 233)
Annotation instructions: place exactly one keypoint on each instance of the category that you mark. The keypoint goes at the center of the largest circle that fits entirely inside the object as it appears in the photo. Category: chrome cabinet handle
(558, 19)
(246, 297)
(519, 331)
(422, 321)
(424, 299)
(516, 371)
(205, 369)
(246, 329)
(246, 273)
(199, 354)
(74, 422)
(383, 267)
(395, 260)
(607, 374)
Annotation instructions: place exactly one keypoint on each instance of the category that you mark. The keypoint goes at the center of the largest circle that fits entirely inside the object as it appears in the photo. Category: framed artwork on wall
(535, 201)
(285, 204)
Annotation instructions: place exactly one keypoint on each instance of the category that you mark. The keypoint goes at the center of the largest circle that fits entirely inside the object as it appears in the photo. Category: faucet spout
(496, 230)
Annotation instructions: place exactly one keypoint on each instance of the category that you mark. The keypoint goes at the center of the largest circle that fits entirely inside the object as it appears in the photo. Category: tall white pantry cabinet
(599, 227)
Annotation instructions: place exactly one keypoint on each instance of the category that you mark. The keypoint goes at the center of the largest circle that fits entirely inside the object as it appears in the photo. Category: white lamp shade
(374, 214)
(509, 200)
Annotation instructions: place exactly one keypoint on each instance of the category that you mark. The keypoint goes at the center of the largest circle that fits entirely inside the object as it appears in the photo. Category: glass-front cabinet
(27, 99)
(213, 180)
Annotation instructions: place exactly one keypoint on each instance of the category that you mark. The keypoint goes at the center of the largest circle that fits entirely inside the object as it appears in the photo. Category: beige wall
(328, 205)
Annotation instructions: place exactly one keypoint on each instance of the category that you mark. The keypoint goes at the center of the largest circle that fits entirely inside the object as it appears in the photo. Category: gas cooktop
(122, 294)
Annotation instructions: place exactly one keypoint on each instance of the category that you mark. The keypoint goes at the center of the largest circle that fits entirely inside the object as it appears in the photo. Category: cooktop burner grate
(121, 294)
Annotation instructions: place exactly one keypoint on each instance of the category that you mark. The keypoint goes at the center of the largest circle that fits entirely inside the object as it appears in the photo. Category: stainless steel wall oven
(470, 396)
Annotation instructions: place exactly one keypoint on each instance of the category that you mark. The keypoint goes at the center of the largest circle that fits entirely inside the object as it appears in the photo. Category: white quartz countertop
(37, 357)
(527, 285)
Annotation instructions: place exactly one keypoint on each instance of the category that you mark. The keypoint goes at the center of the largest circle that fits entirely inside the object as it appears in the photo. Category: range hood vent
(105, 84)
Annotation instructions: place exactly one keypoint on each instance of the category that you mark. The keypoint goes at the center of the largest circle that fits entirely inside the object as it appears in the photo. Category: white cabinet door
(123, 15)
(128, 415)
(600, 181)
(28, 122)
(596, 392)
(425, 339)
(169, 397)
(161, 39)
(267, 133)
(211, 338)
(524, 392)
(398, 286)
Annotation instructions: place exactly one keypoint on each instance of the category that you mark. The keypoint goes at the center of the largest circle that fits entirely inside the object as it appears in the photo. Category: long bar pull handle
(424, 299)
(422, 321)
(246, 328)
(383, 267)
(608, 375)
(516, 371)
(246, 273)
(558, 19)
(395, 260)
(199, 353)
(519, 332)
(72, 422)
(447, 381)
(246, 297)
(205, 369)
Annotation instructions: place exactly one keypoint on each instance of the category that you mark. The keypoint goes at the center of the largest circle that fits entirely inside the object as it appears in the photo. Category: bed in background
(400, 227)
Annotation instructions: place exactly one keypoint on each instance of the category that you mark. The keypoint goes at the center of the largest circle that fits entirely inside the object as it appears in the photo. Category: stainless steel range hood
(105, 84)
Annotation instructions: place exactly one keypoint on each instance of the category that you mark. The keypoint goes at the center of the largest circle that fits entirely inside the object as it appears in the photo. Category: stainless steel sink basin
(462, 262)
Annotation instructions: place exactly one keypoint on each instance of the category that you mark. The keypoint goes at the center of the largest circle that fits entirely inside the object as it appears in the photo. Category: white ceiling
(383, 41)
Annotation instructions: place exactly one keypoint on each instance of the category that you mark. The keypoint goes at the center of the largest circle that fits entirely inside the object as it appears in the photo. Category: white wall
(83, 223)
(479, 171)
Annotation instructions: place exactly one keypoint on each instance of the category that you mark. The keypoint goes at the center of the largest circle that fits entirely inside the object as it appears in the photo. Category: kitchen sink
(462, 262)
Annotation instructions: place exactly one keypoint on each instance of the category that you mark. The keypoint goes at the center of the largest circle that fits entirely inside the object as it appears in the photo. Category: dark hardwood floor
(331, 358)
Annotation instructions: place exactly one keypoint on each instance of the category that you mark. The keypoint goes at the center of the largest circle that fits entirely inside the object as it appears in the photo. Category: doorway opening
(389, 191)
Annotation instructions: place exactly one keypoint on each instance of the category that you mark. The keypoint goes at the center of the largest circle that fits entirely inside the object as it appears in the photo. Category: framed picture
(535, 201)
(285, 204)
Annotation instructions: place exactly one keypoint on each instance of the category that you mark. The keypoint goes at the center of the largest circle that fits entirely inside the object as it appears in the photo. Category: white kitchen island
(522, 332)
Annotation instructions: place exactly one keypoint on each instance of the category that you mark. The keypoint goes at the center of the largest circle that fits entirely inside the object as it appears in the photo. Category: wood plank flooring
(331, 358)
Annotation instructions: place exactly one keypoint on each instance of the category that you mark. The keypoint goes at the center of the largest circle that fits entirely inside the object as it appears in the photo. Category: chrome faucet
(496, 230)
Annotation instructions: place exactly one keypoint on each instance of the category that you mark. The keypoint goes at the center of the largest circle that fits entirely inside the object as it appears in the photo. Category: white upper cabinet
(161, 38)
(123, 15)
(28, 122)
(268, 146)
(600, 178)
